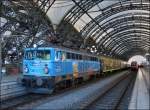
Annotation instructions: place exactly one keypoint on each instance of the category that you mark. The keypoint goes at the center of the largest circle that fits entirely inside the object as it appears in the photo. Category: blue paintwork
(57, 68)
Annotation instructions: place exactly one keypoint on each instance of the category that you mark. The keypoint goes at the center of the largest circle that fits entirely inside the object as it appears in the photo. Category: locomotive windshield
(37, 54)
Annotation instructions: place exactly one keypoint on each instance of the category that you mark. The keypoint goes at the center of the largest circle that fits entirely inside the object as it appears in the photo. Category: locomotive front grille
(35, 82)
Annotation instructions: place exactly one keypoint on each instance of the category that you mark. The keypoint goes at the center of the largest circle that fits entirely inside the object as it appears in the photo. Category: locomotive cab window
(43, 54)
(58, 55)
(37, 54)
(29, 55)
(64, 55)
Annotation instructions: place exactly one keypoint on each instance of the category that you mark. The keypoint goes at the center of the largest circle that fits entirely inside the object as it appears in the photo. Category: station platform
(10, 78)
(141, 92)
(10, 88)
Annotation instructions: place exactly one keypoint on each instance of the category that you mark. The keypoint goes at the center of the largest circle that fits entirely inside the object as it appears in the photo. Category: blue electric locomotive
(45, 67)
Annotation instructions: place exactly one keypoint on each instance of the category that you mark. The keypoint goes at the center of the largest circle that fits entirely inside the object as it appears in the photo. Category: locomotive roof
(63, 49)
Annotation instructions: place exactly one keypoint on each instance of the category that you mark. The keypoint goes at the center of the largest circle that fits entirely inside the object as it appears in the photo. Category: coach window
(88, 58)
(93, 58)
(80, 57)
(77, 57)
(73, 56)
(84, 57)
(96, 59)
(68, 56)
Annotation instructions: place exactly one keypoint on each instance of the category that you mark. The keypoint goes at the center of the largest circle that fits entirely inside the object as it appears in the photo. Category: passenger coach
(45, 68)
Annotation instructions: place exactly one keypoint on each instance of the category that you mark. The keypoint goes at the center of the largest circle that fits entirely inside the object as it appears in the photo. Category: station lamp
(34, 45)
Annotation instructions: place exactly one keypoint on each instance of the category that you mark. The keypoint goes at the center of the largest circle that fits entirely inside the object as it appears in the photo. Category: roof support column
(0, 67)
(0, 62)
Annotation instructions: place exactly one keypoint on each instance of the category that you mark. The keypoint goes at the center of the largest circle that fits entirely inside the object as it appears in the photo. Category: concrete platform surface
(140, 96)
(10, 78)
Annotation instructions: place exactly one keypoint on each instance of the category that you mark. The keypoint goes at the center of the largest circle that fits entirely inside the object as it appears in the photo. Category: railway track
(117, 97)
(125, 100)
(33, 99)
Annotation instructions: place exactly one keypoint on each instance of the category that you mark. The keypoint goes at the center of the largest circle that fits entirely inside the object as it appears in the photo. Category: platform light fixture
(34, 45)
(14, 49)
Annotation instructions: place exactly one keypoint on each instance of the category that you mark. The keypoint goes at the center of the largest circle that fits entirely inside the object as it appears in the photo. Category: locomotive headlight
(46, 70)
(26, 70)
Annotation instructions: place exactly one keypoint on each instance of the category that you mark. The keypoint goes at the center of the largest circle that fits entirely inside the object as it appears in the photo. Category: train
(134, 66)
(112, 64)
(46, 68)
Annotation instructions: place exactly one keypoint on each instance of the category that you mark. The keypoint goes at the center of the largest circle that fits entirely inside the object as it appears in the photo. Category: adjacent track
(116, 97)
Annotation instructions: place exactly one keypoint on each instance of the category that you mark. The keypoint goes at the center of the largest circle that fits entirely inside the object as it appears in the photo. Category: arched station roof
(23, 24)
(117, 28)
